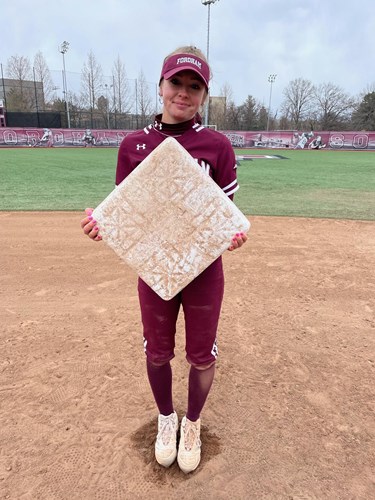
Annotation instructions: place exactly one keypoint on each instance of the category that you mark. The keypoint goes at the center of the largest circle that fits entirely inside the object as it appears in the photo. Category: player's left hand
(237, 241)
(89, 226)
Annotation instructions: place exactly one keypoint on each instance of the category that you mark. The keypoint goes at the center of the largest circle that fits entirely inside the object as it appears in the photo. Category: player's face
(182, 95)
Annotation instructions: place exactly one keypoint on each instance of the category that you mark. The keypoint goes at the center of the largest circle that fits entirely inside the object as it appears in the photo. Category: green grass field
(332, 184)
(328, 184)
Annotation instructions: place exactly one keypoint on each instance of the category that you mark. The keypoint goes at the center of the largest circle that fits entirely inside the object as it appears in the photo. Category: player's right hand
(90, 226)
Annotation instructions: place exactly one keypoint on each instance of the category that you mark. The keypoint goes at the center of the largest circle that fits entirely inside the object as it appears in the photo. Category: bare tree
(144, 100)
(298, 99)
(217, 110)
(91, 82)
(227, 92)
(122, 98)
(219, 114)
(19, 68)
(42, 74)
(20, 97)
(333, 106)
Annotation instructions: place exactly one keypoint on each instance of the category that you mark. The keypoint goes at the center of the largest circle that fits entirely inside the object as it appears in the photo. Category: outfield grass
(332, 184)
(55, 179)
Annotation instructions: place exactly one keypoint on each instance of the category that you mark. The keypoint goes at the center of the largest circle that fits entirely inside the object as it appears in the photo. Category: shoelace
(167, 429)
(191, 436)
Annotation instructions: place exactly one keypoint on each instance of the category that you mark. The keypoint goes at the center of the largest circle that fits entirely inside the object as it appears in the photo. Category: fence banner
(37, 137)
(302, 140)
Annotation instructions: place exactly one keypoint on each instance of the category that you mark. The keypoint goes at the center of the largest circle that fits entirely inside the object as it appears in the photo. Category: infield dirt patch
(291, 412)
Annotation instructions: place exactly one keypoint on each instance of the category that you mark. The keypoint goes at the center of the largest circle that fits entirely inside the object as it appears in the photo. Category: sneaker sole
(187, 470)
(166, 462)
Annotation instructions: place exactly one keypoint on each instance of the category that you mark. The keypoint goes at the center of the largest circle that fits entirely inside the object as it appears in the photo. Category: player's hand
(90, 226)
(237, 241)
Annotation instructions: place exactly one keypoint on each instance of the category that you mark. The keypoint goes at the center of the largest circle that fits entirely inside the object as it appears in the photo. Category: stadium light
(64, 49)
(106, 86)
(208, 3)
(271, 80)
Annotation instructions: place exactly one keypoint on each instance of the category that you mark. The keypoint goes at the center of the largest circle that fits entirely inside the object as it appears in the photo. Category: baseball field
(291, 412)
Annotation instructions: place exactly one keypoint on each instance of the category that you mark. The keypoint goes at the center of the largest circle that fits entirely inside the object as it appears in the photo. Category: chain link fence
(31, 103)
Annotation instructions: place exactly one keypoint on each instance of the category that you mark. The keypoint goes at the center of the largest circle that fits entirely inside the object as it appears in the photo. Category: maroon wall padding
(21, 137)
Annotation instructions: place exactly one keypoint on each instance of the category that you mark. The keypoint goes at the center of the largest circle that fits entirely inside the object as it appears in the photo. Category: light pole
(63, 49)
(271, 79)
(107, 99)
(208, 3)
(114, 99)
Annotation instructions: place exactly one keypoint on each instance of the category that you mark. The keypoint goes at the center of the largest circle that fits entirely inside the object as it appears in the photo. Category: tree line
(305, 105)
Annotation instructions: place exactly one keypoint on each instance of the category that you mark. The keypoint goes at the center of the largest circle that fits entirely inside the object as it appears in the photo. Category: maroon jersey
(201, 299)
(211, 149)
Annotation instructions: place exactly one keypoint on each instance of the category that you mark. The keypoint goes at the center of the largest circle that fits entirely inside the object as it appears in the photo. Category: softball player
(183, 88)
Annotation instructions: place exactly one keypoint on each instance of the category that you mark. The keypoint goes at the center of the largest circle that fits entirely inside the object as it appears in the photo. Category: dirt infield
(291, 412)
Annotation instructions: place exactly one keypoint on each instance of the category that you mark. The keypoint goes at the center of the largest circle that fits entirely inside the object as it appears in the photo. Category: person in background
(47, 138)
(88, 139)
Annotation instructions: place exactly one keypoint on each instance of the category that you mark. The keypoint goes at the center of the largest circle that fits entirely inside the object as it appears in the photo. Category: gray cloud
(320, 41)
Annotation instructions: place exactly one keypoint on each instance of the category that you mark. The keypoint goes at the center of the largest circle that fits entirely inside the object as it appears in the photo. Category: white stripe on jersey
(229, 185)
(233, 190)
(147, 131)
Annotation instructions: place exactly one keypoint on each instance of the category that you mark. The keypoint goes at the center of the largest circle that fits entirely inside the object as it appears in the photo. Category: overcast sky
(322, 41)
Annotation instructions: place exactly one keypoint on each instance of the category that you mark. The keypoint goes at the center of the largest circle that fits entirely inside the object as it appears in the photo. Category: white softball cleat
(165, 445)
(189, 450)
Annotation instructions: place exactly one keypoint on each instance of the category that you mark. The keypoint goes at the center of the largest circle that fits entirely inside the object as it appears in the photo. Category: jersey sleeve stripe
(228, 193)
(230, 185)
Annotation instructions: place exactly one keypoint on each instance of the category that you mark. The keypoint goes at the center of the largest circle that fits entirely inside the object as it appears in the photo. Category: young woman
(183, 88)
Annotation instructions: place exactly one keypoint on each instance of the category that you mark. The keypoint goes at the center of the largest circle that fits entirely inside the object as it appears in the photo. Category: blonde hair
(188, 49)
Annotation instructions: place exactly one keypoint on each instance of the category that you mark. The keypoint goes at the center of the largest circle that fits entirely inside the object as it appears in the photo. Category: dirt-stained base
(291, 411)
